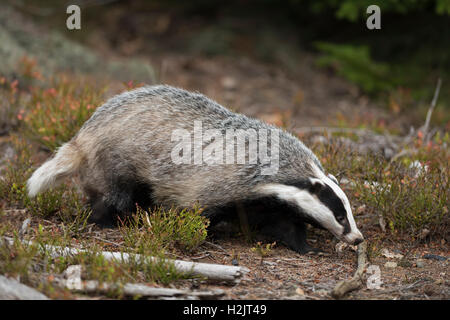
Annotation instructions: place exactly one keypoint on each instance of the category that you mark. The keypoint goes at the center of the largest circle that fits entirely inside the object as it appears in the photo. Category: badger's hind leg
(102, 214)
(119, 201)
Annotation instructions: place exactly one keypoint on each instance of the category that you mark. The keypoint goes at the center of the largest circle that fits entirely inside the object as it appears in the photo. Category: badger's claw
(316, 252)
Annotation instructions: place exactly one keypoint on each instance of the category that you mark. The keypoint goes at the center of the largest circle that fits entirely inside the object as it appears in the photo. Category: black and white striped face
(322, 201)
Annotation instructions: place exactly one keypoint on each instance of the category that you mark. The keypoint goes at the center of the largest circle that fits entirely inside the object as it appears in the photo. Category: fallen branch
(211, 271)
(11, 289)
(74, 283)
(142, 290)
(356, 281)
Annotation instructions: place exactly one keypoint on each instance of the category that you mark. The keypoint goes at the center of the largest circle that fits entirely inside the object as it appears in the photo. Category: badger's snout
(354, 238)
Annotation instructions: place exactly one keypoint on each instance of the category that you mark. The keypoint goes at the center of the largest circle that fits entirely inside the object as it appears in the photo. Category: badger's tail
(65, 163)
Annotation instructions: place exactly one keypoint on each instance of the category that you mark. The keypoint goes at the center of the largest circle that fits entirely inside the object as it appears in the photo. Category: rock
(73, 277)
(390, 265)
(420, 263)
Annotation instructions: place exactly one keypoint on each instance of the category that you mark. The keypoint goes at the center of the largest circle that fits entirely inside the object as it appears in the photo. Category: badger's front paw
(306, 249)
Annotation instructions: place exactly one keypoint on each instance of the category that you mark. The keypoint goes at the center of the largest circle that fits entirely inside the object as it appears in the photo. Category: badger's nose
(358, 241)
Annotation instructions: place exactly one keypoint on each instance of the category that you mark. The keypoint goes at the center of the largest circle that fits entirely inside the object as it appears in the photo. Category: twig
(206, 255)
(218, 247)
(424, 129)
(400, 288)
(355, 282)
(107, 241)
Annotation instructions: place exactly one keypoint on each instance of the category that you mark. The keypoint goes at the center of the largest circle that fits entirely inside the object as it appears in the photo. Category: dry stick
(211, 271)
(424, 128)
(355, 282)
(431, 109)
(136, 289)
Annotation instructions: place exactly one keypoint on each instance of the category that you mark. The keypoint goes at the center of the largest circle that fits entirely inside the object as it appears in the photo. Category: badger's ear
(315, 185)
(333, 178)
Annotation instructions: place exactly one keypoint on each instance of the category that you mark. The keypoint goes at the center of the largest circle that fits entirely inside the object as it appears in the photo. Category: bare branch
(425, 127)
(356, 281)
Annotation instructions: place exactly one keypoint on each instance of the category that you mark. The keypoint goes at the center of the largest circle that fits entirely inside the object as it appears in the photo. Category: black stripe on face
(328, 197)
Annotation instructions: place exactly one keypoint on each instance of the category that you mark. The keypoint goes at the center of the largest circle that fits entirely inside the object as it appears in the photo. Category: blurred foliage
(354, 9)
(355, 64)
(409, 52)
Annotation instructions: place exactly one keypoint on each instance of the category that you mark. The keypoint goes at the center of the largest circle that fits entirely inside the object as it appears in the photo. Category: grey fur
(133, 130)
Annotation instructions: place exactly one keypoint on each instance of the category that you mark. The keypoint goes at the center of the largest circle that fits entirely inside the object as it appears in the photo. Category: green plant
(150, 232)
(74, 214)
(18, 170)
(263, 250)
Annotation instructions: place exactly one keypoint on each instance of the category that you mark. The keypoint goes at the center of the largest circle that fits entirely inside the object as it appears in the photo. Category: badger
(127, 154)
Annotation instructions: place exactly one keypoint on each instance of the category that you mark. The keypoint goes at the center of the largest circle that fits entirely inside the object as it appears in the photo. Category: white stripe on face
(354, 232)
(307, 202)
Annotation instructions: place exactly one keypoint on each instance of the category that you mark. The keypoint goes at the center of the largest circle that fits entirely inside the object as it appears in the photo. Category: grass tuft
(151, 232)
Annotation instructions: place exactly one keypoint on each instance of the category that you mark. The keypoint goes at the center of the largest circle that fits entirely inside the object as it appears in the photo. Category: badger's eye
(340, 219)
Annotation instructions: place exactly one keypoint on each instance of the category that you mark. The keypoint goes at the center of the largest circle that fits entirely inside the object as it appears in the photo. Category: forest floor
(404, 271)
(299, 98)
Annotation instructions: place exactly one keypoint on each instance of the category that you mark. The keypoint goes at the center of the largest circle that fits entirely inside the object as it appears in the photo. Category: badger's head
(321, 201)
